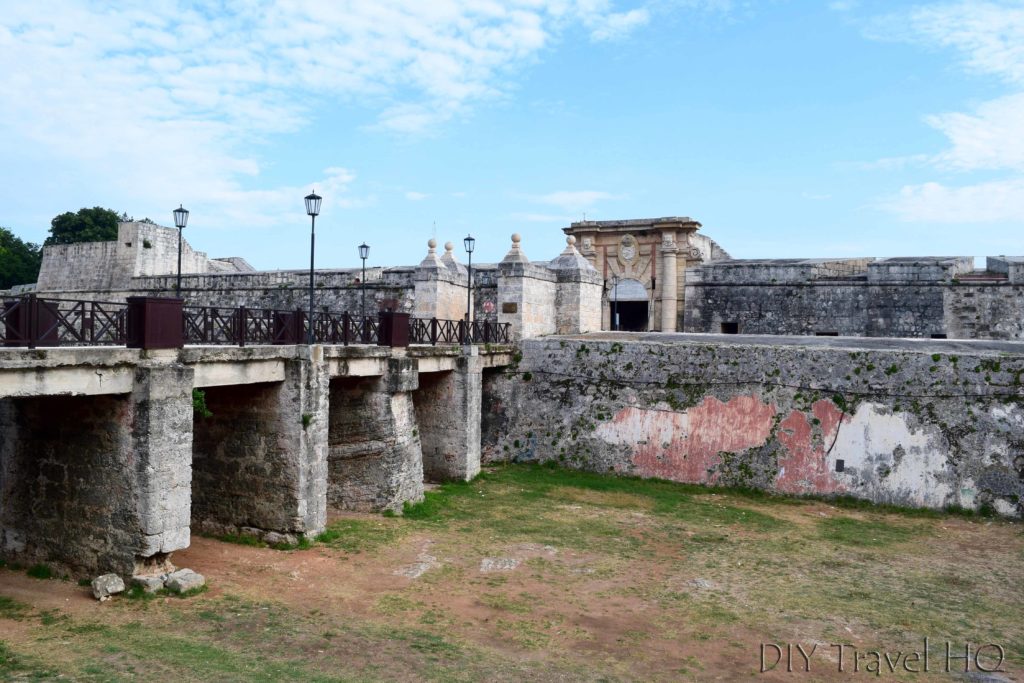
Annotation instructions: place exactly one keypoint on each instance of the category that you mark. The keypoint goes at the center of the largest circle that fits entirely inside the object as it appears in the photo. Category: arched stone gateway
(653, 253)
(629, 305)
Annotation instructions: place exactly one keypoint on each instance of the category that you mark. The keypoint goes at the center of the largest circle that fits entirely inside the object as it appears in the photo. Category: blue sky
(788, 128)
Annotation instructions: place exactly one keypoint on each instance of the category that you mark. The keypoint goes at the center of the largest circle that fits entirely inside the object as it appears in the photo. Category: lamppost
(180, 221)
(615, 303)
(312, 210)
(470, 244)
(364, 251)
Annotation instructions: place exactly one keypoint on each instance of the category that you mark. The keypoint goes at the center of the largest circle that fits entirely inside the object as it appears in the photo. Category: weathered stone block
(183, 581)
(106, 585)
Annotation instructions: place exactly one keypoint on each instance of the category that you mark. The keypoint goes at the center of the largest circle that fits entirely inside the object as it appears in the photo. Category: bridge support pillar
(375, 462)
(448, 415)
(260, 458)
(162, 449)
(99, 483)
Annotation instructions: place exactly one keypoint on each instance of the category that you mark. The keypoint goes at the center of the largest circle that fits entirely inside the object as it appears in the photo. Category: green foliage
(866, 533)
(19, 261)
(307, 419)
(358, 535)
(87, 225)
(199, 403)
(40, 571)
(12, 609)
(16, 667)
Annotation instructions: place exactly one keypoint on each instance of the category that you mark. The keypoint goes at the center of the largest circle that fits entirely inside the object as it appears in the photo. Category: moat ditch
(544, 574)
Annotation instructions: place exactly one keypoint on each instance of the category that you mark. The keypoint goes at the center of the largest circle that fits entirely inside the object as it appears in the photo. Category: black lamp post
(364, 251)
(180, 221)
(615, 302)
(312, 210)
(470, 244)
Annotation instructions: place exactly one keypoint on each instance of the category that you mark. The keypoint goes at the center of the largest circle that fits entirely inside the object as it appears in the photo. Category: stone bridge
(106, 465)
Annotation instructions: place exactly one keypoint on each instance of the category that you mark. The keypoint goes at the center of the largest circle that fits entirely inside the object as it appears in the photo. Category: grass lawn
(531, 573)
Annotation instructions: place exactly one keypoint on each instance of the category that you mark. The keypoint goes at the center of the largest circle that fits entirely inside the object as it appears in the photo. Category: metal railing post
(242, 324)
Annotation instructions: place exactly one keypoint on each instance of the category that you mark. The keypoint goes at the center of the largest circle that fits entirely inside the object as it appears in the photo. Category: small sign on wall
(510, 307)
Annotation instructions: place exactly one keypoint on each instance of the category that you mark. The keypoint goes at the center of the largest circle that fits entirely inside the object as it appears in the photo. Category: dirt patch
(540, 575)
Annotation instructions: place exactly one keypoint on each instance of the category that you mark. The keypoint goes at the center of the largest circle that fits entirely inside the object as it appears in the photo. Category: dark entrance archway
(628, 299)
(633, 316)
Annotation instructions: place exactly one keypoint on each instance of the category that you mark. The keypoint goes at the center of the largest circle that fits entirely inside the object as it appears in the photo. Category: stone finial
(515, 254)
(431, 261)
(570, 246)
(449, 259)
(570, 259)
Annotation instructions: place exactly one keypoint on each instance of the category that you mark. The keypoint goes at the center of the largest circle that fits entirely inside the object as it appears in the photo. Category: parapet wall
(918, 423)
(899, 297)
(140, 249)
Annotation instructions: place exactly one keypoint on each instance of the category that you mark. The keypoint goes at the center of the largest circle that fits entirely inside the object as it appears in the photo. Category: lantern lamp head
(470, 244)
(364, 251)
(180, 217)
(313, 204)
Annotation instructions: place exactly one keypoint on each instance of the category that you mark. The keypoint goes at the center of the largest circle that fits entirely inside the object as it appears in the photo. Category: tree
(88, 225)
(19, 261)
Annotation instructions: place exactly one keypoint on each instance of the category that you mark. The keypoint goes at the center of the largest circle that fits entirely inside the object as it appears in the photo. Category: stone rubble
(106, 585)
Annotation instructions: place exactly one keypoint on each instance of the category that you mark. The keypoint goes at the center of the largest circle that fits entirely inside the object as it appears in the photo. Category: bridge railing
(32, 321)
(433, 331)
(151, 322)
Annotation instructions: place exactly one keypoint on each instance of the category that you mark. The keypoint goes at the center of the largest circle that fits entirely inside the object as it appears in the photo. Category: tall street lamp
(364, 251)
(180, 221)
(312, 210)
(470, 244)
(615, 302)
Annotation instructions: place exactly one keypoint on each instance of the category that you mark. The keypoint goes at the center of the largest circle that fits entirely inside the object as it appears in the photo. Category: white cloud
(989, 35)
(416, 196)
(618, 25)
(152, 103)
(1000, 200)
(989, 38)
(574, 200)
(992, 138)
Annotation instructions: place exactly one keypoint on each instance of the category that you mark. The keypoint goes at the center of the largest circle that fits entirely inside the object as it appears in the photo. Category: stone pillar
(303, 405)
(162, 455)
(448, 415)
(669, 283)
(375, 461)
(526, 295)
(440, 286)
(260, 460)
(578, 292)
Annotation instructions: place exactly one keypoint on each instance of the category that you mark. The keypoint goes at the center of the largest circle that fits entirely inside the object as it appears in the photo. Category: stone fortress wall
(930, 297)
(671, 276)
(541, 297)
(141, 249)
(919, 423)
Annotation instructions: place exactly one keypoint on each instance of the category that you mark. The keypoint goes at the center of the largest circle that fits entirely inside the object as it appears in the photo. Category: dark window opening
(730, 328)
(939, 335)
(826, 334)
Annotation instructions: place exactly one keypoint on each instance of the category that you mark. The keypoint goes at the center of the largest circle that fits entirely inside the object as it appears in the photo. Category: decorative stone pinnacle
(448, 246)
(571, 240)
(431, 245)
(515, 254)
